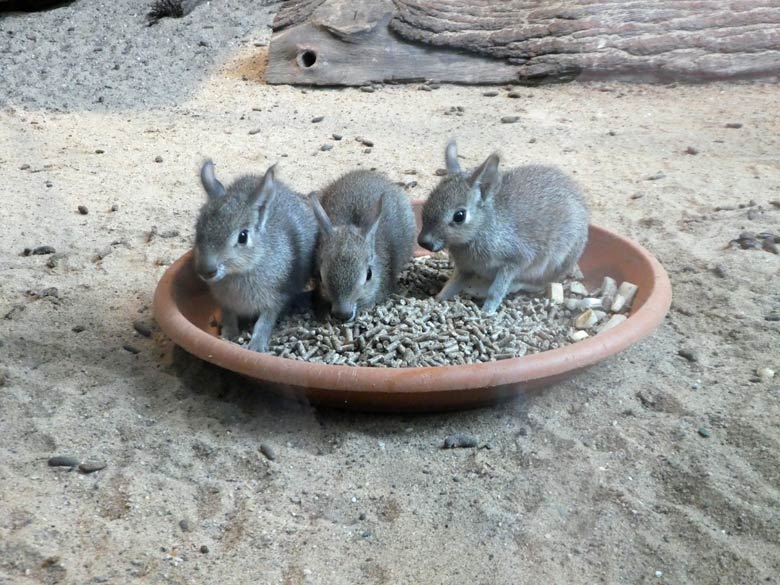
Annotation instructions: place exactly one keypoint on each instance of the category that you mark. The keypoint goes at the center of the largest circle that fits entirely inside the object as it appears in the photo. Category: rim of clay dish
(362, 379)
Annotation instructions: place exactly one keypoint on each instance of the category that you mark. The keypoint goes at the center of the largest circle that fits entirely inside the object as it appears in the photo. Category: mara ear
(326, 227)
(263, 195)
(451, 157)
(485, 178)
(372, 223)
(213, 187)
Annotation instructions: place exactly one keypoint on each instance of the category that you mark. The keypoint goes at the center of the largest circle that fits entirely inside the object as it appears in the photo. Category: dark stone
(257, 131)
(83, 209)
(326, 147)
(317, 119)
(43, 250)
(691, 150)
(142, 328)
(704, 432)
(78, 328)
(204, 549)
(689, 354)
(734, 125)
(510, 119)
(459, 441)
(185, 525)
(91, 466)
(158, 159)
(132, 349)
(337, 136)
(656, 177)
(491, 93)
(268, 451)
(63, 461)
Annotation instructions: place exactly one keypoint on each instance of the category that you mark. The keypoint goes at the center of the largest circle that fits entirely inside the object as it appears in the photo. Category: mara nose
(343, 314)
(207, 271)
(428, 243)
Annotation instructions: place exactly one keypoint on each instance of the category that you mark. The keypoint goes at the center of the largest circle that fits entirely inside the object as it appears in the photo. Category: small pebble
(204, 549)
(142, 328)
(367, 89)
(24, 167)
(268, 451)
(185, 525)
(63, 461)
(704, 432)
(734, 125)
(99, 151)
(131, 349)
(689, 354)
(257, 131)
(365, 142)
(691, 150)
(115, 207)
(326, 147)
(720, 271)
(510, 119)
(490, 93)
(91, 466)
(171, 233)
(317, 119)
(656, 177)
(514, 95)
(459, 441)
(83, 209)
(78, 328)
(659, 574)
(765, 374)
(440, 172)
(637, 195)
(425, 88)
(337, 136)
(159, 159)
(42, 250)
(365, 534)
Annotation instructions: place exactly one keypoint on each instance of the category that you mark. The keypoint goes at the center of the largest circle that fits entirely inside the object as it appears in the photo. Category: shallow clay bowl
(184, 310)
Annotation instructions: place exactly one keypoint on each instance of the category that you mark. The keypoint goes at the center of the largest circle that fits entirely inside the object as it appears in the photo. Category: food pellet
(412, 329)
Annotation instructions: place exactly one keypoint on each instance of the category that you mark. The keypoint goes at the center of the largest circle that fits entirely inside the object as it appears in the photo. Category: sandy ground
(605, 478)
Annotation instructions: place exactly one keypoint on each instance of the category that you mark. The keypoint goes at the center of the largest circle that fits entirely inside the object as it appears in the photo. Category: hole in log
(307, 58)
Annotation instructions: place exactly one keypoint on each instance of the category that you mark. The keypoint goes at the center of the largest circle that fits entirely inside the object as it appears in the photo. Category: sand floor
(605, 478)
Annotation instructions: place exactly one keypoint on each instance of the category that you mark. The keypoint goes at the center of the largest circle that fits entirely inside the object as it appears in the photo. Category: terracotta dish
(184, 309)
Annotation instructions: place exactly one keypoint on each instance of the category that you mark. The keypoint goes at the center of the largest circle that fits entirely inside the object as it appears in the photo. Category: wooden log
(523, 41)
(340, 42)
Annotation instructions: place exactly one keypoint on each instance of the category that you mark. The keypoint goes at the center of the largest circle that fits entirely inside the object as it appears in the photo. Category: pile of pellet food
(413, 329)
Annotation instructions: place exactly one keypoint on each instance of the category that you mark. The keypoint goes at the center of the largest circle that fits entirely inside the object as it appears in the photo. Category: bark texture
(527, 41)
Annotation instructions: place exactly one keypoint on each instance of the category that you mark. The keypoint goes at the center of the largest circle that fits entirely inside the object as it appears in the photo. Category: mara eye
(369, 274)
(459, 216)
(243, 237)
